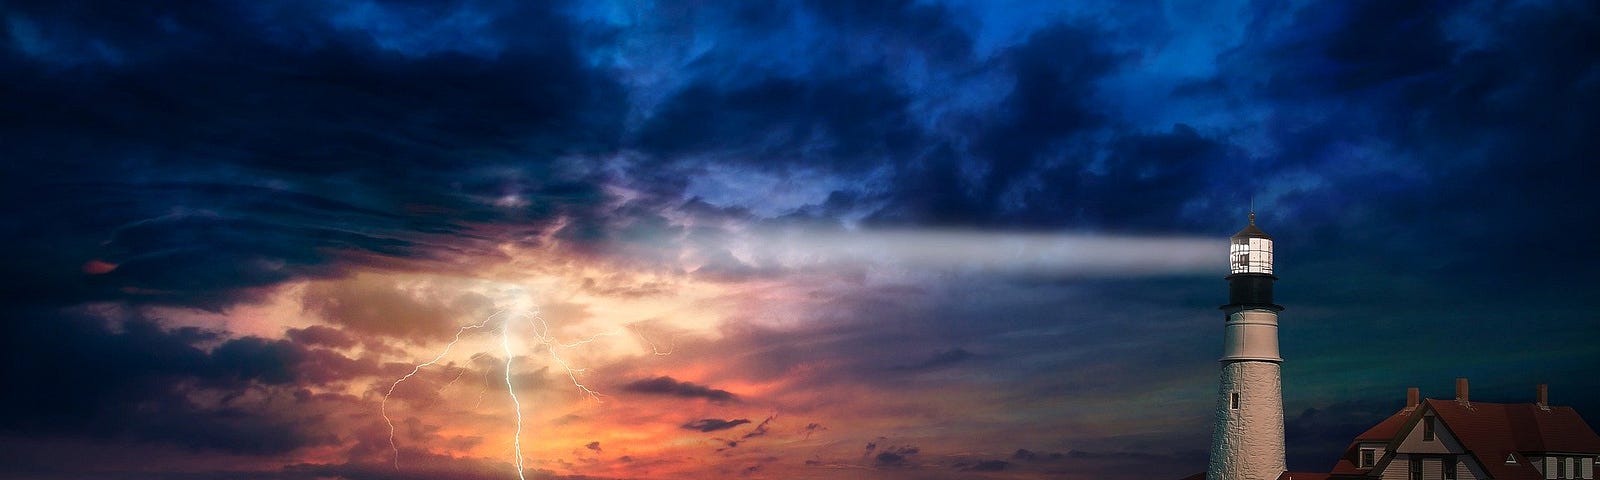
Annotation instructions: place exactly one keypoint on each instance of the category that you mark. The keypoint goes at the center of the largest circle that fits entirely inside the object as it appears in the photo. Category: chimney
(1544, 395)
(1461, 390)
(1413, 397)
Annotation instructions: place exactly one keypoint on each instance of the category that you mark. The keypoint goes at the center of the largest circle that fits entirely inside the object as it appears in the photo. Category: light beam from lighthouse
(1247, 442)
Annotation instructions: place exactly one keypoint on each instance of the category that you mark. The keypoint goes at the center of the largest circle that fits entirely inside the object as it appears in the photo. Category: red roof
(1387, 428)
(1382, 432)
(1490, 432)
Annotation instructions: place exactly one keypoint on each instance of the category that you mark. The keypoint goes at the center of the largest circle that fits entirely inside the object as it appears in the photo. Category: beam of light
(1024, 252)
(383, 406)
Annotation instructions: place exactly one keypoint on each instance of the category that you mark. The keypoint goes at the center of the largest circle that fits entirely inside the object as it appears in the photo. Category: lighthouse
(1247, 440)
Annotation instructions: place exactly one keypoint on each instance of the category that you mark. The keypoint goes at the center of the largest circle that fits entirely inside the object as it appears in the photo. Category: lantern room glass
(1251, 255)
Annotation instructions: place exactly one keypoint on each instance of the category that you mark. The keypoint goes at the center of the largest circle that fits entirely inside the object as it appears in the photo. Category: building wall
(1398, 468)
(1251, 334)
(1576, 467)
(1443, 441)
(1247, 443)
(1432, 468)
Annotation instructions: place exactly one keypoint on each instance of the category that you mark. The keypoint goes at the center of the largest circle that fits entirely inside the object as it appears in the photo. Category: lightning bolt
(543, 337)
(505, 343)
(672, 341)
(383, 407)
(542, 331)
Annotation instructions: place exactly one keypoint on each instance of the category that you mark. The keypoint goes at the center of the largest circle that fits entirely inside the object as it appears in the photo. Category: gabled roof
(1384, 431)
(1494, 431)
(1490, 432)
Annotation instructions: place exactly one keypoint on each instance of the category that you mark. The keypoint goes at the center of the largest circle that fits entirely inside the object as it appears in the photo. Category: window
(1427, 429)
(1235, 400)
(1416, 468)
(1450, 468)
(1561, 467)
(1511, 459)
(1369, 457)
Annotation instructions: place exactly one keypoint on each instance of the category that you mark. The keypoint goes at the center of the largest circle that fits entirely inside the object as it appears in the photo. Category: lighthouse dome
(1251, 230)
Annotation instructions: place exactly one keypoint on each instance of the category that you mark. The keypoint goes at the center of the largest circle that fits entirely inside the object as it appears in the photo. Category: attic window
(1427, 429)
(1511, 459)
(1369, 457)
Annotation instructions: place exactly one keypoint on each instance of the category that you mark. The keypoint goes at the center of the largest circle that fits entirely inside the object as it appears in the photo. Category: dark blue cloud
(129, 378)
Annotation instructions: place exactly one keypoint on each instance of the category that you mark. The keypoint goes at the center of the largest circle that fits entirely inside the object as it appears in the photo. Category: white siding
(1443, 441)
(1378, 451)
(1399, 468)
(1432, 469)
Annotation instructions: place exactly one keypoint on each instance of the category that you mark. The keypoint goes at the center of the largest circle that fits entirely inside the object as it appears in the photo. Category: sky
(790, 239)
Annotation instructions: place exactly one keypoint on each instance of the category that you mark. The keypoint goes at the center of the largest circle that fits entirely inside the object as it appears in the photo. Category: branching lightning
(383, 407)
(542, 331)
(542, 336)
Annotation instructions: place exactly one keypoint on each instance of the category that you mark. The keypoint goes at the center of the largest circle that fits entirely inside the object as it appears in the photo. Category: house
(1458, 439)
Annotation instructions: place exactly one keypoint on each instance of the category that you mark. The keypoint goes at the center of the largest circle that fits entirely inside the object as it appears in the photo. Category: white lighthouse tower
(1247, 443)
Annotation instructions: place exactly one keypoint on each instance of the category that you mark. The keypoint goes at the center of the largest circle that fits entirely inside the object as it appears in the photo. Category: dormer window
(1369, 457)
(1511, 459)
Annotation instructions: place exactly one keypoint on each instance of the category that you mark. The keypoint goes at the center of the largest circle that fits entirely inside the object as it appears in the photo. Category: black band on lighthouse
(1251, 290)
